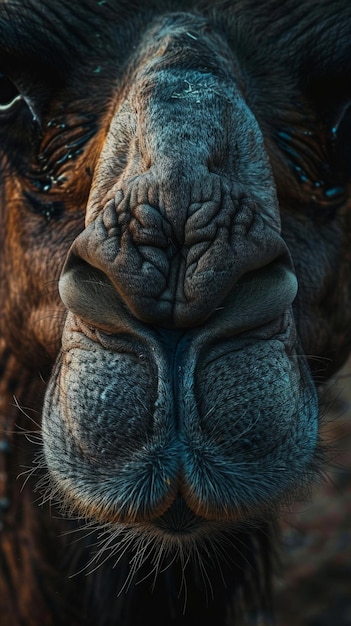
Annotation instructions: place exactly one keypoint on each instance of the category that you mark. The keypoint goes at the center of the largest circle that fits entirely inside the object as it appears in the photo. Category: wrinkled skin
(175, 216)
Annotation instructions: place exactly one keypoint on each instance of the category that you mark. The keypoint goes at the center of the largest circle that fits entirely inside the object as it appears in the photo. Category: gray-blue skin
(184, 187)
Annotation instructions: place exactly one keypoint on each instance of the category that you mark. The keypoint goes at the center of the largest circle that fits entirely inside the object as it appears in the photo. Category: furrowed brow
(30, 35)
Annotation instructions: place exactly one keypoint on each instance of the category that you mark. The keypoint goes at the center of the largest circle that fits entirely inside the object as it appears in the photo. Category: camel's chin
(179, 524)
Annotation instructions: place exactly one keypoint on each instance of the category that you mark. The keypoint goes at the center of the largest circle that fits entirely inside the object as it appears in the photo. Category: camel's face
(213, 172)
(180, 382)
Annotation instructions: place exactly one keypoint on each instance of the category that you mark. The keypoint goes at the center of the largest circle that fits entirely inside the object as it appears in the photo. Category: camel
(175, 286)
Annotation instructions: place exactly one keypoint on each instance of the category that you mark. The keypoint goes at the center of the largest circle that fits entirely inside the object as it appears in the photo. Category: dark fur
(207, 146)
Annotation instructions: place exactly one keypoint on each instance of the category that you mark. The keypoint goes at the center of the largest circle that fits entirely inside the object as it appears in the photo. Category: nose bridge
(181, 134)
(181, 116)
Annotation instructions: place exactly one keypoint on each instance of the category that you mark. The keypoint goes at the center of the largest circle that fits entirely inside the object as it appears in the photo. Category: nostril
(257, 299)
(76, 278)
(87, 292)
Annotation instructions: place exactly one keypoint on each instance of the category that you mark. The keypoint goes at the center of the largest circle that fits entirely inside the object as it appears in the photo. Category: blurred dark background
(315, 586)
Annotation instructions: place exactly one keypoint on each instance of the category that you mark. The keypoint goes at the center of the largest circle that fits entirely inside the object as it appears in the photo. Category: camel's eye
(19, 121)
(9, 94)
